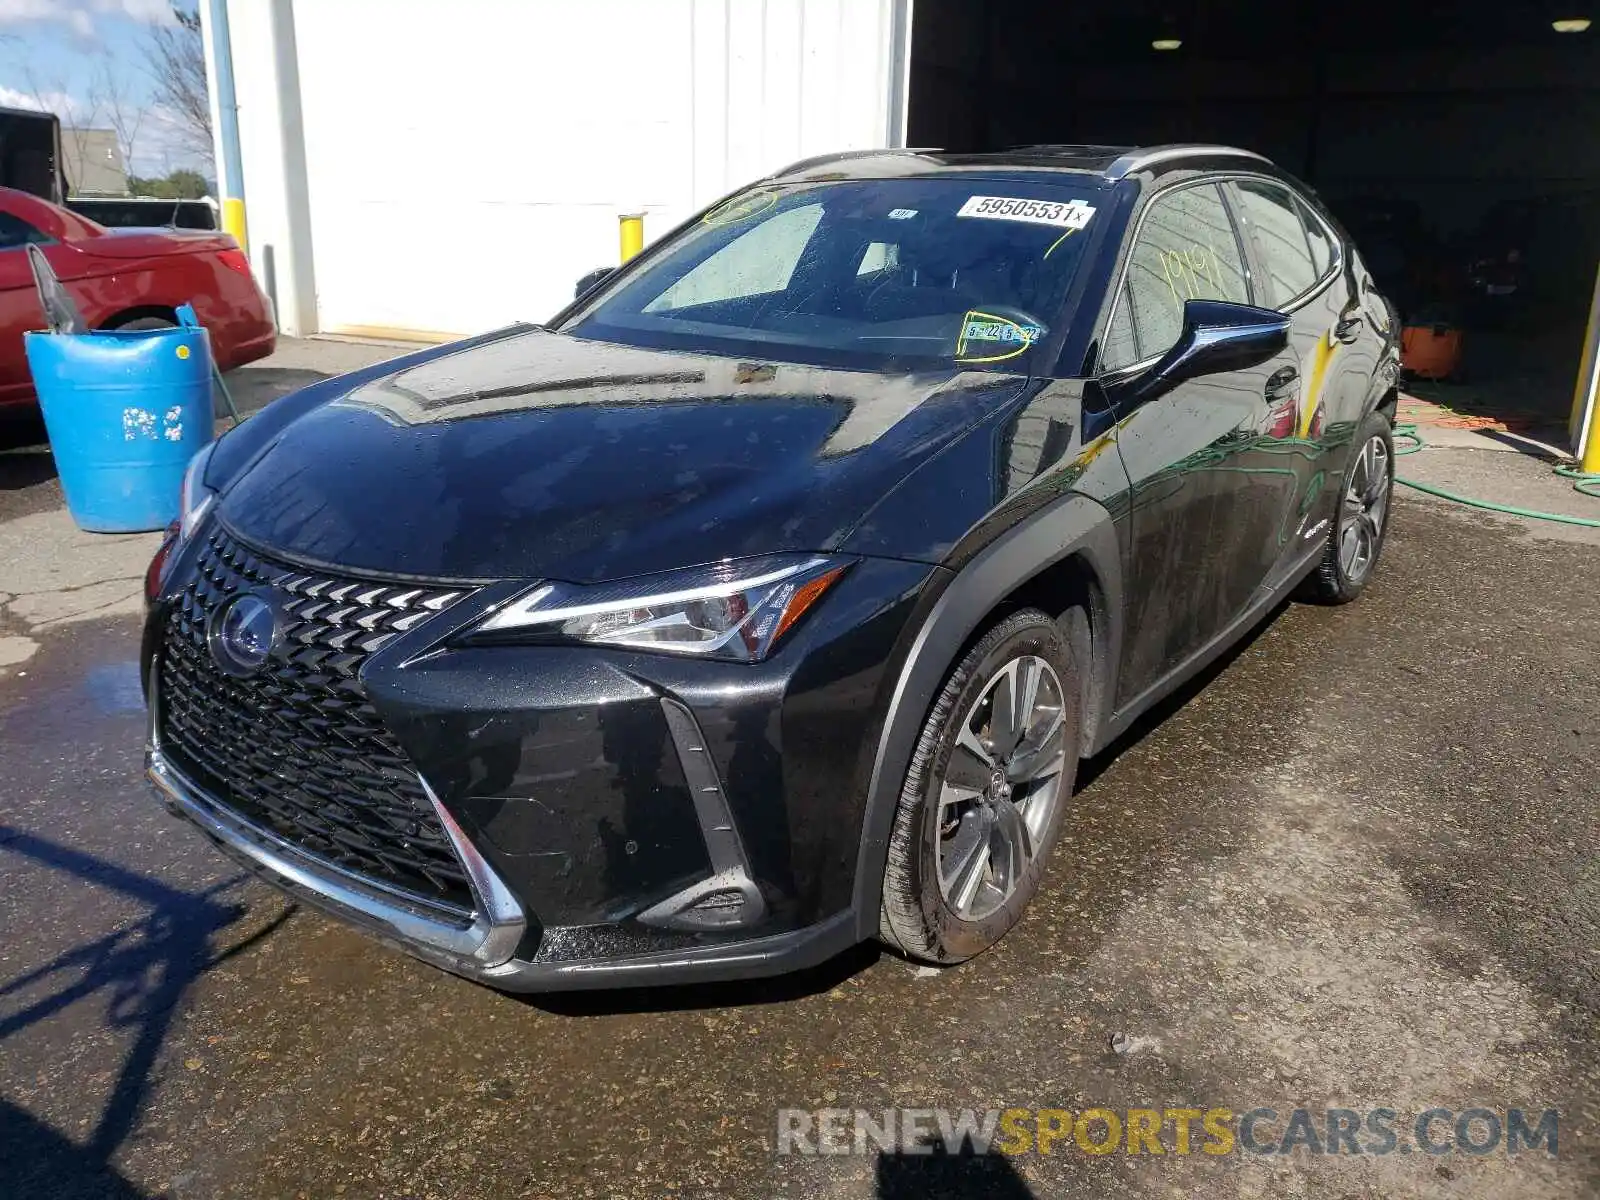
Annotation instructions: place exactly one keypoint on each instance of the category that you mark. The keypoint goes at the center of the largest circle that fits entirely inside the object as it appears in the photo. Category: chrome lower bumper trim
(470, 943)
(490, 939)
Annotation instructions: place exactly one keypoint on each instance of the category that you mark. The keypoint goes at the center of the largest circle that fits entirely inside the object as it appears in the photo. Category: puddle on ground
(114, 687)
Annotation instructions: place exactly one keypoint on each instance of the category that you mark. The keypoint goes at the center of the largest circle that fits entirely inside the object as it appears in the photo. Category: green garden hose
(1584, 483)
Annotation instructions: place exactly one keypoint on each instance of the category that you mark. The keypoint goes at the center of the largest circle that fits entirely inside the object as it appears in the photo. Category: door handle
(1281, 383)
(1348, 329)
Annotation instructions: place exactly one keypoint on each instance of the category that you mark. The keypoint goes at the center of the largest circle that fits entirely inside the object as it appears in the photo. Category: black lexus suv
(765, 600)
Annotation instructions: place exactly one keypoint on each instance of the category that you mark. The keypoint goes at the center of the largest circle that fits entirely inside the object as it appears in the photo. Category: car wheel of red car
(145, 323)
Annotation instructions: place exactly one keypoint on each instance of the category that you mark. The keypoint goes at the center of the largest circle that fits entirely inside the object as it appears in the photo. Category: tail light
(234, 260)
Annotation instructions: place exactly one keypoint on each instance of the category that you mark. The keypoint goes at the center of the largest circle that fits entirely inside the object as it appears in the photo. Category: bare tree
(125, 113)
(175, 60)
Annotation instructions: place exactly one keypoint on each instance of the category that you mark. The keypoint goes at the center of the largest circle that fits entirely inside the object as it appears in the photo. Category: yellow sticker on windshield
(1058, 242)
(989, 337)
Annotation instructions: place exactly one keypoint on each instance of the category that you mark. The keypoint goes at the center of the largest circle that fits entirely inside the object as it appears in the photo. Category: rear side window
(1186, 249)
(1272, 217)
(1321, 241)
(14, 232)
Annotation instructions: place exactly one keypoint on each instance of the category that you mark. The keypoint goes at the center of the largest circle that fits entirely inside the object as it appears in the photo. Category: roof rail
(1080, 149)
(846, 155)
(1137, 160)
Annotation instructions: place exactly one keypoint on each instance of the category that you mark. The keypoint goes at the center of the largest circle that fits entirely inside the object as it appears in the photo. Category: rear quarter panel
(228, 302)
(19, 312)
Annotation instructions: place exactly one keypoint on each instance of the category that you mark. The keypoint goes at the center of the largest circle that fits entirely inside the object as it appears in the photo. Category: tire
(926, 913)
(1366, 499)
(144, 323)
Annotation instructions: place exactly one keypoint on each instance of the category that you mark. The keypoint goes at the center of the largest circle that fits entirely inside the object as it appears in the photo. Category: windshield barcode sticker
(1006, 338)
(1071, 214)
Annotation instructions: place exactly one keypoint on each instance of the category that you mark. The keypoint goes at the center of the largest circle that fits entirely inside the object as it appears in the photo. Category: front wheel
(985, 795)
(1356, 540)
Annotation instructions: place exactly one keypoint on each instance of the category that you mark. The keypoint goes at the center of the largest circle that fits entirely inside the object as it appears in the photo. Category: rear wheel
(1356, 540)
(144, 323)
(985, 795)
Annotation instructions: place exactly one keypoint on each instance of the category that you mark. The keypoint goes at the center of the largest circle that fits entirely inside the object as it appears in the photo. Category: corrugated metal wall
(466, 162)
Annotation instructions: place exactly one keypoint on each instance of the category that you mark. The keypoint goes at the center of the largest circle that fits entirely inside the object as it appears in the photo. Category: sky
(67, 56)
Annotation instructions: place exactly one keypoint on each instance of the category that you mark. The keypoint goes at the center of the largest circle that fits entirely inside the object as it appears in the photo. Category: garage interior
(1460, 144)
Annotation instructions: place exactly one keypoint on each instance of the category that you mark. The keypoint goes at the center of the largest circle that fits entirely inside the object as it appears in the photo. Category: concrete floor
(1357, 866)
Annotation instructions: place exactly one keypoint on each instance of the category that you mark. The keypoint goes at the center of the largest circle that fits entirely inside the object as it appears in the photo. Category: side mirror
(587, 282)
(1217, 336)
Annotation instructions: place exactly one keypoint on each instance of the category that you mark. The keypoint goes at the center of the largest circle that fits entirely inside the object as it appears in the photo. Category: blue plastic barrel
(125, 412)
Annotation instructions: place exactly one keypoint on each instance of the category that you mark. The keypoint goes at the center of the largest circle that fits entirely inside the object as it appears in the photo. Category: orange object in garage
(1430, 351)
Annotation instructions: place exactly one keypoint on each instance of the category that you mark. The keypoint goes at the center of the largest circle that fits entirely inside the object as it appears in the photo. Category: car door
(19, 304)
(1330, 355)
(1196, 520)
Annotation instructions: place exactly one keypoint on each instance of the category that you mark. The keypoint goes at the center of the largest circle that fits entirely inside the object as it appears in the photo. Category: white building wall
(465, 162)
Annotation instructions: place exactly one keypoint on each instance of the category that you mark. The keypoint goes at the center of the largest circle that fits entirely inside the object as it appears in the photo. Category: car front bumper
(475, 952)
(622, 819)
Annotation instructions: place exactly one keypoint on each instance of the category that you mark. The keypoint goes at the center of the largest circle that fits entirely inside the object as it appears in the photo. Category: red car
(124, 279)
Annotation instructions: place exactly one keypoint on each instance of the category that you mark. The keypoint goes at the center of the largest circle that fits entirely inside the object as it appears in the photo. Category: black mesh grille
(296, 747)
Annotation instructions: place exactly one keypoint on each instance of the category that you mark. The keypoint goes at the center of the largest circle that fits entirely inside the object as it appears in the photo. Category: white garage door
(474, 163)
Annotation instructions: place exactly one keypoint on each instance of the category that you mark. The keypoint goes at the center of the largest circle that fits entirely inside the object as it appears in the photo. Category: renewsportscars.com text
(1262, 1130)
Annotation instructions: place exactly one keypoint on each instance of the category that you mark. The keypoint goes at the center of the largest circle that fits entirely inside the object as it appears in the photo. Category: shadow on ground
(1159, 713)
(142, 971)
(38, 1161)
(931, 1174)
(1520, 375)
(747, 993)
(24, 457)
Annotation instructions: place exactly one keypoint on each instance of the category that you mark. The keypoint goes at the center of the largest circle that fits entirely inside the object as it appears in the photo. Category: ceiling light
(1570, 25)
(1174, 43)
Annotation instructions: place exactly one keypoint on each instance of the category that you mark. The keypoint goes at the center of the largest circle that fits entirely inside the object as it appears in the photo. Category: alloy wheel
(1000, 787)
(1364, 509)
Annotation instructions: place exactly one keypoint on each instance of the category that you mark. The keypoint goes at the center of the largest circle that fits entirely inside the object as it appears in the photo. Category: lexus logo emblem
(242, 634)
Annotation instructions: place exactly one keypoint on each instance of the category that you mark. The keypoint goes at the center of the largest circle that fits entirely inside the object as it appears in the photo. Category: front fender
(1072, 525)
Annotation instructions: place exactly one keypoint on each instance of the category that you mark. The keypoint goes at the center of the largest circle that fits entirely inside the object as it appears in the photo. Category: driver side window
(1186, 249)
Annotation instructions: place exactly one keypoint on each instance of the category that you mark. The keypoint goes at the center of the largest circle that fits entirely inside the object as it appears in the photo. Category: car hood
(542, 455)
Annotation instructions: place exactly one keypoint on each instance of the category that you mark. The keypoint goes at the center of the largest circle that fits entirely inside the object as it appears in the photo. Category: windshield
(891, 274)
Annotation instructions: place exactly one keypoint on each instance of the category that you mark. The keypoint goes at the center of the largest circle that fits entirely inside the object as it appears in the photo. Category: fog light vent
(727, 900)
(719, 901)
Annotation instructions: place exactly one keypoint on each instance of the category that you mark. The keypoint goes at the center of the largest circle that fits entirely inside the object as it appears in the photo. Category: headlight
(734, 610)
(195, 498)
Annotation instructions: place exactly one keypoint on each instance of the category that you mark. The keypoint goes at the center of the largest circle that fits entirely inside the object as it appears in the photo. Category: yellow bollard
(1584, 428)
(233, 221)
(632, 229)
